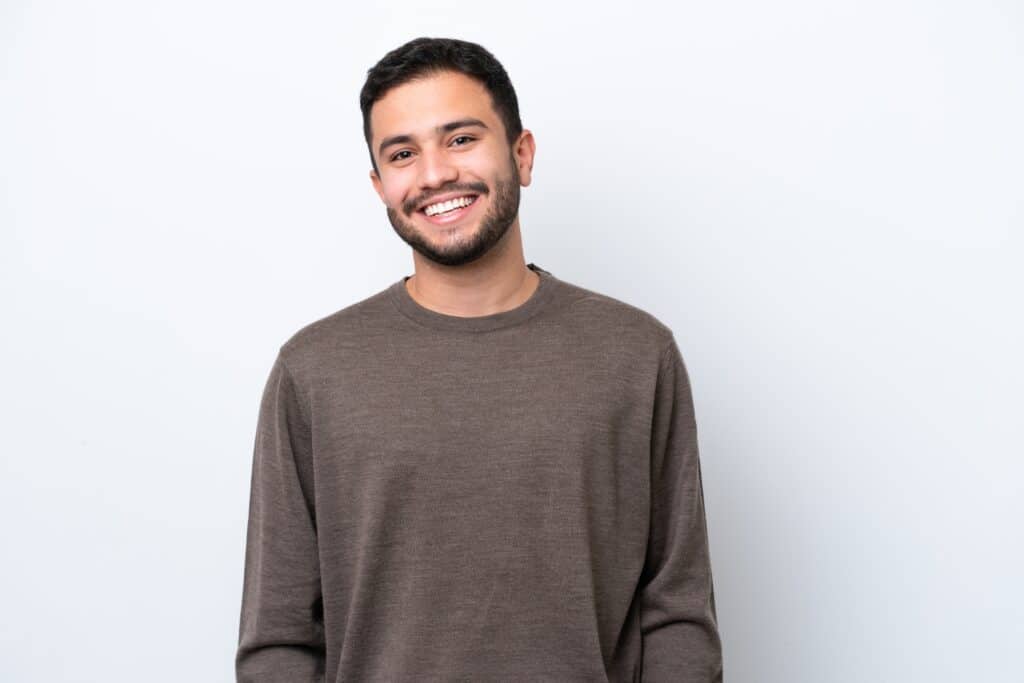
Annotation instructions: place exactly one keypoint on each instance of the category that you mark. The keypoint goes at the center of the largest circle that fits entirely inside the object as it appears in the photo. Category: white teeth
(441, 207)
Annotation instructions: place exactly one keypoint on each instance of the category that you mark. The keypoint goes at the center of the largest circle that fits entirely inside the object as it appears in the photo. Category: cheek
(483, 164)
(395, 191)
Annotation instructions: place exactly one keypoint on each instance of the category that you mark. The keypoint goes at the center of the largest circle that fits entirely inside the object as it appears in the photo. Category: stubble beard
(456, 248)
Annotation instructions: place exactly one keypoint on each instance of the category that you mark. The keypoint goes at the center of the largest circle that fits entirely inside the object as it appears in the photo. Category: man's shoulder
(605, 315)
(357, 325)
(585, 316)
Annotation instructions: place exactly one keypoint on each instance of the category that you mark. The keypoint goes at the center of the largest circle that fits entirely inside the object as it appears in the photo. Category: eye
(396, 156)
(464, 137)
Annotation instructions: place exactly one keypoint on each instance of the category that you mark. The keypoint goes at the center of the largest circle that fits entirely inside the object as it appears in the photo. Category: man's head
(441, 120)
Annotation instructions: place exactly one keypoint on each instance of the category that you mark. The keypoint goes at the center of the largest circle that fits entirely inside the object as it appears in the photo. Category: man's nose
(436, 169)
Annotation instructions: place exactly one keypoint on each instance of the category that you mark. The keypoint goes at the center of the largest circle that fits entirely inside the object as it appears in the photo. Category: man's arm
(681, 642)
(281, 634)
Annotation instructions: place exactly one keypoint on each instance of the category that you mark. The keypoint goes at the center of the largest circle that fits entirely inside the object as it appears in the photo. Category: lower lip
(452, 216)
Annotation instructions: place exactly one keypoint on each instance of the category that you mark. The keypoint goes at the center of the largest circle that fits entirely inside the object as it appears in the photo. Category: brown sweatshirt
(510, 497)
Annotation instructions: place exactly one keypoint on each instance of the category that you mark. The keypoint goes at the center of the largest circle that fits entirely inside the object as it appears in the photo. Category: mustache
(474, 188)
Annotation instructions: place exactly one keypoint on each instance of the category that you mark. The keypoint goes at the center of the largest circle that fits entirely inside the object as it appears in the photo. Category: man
(482, 472)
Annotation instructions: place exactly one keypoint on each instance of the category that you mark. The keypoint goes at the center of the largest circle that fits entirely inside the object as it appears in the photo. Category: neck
(498, 281)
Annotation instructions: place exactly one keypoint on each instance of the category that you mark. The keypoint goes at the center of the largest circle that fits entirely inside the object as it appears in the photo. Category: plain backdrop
(823, 200)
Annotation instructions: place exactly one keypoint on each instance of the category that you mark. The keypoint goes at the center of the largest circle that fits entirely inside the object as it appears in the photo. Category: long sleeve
(681, 643)
(281, 636)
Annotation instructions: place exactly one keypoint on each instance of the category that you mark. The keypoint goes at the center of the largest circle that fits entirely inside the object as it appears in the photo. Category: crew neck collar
(412, 309)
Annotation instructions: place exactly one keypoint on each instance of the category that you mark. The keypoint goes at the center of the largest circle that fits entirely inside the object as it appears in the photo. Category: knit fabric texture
(510, 497)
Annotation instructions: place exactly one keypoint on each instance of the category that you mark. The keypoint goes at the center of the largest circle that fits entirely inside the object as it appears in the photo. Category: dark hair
(429, 56)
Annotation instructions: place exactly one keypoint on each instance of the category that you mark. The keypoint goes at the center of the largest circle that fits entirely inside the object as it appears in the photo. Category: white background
(822, 200)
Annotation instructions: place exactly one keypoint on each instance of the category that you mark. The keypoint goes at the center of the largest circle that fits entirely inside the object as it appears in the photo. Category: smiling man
(483, 472)
(471, 161)
(448, 170)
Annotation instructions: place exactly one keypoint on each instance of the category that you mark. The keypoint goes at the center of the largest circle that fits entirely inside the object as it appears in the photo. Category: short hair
(423, 57)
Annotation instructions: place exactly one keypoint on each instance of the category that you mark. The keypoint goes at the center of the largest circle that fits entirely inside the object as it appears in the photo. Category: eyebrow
(440, 130)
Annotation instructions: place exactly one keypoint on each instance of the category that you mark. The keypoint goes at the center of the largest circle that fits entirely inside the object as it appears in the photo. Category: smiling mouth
(451, 211)
(449, 206)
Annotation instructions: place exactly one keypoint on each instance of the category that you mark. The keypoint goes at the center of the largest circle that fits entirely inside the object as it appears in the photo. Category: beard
(459, 248)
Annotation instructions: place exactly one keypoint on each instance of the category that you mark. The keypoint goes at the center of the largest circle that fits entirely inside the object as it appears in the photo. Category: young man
(482, 472)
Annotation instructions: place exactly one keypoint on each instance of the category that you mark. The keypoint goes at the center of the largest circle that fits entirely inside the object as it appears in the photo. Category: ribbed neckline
(409, 307)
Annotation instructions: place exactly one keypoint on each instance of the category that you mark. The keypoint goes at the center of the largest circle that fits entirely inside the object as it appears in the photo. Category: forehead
(416, 107)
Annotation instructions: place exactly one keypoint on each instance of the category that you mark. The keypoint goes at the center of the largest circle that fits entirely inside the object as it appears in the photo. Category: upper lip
(444, 198)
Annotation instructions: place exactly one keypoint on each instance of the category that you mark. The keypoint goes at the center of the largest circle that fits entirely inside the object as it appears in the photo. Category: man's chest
(452, 439)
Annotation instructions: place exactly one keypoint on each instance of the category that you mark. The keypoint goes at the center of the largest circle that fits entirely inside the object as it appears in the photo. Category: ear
(377, 186)
(524, 151)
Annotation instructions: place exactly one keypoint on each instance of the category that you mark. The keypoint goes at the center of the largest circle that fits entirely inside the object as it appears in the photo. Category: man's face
(442, 139)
